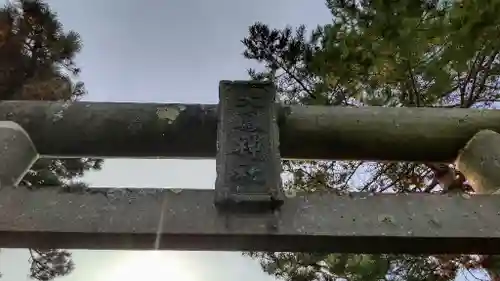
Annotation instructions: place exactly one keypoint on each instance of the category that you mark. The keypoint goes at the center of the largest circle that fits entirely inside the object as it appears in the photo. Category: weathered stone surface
(107, 129)
(130, 219)
(104, 129)
(248, 159)
(479, 161)
(17, 153)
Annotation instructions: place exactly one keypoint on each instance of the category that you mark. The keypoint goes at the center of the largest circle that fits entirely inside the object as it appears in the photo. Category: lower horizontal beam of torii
(131, 219)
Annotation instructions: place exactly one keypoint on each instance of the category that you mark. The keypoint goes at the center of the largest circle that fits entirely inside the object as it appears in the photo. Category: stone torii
(248, 133)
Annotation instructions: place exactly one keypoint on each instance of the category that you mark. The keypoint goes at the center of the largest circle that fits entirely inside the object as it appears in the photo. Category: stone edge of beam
(17, 153)
(129, 219)
(479, 161)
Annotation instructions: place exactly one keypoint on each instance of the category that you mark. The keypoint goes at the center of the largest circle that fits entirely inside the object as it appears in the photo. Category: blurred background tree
(37, 63)
(406, 53)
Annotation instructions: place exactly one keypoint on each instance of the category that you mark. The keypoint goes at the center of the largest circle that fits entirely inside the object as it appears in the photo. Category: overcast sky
(163, 51)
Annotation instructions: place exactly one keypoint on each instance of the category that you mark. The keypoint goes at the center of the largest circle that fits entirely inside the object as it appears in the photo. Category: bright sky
(163, 51)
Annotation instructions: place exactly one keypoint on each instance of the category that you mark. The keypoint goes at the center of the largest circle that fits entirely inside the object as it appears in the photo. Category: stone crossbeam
(248, 133)
(147, 130)
(188, 220)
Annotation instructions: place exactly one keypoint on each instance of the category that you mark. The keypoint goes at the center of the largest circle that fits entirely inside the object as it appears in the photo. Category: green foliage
(37, 63)
(409, 53)
(325, 267)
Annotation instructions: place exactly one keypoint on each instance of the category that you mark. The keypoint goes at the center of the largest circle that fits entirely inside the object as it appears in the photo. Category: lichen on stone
(60, 113)
(170, 113)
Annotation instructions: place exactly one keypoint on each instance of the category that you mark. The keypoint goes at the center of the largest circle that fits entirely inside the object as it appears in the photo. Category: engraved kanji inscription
(250, 102)
(245, 124)
(248, 161)
(247, 174)
(250, 144)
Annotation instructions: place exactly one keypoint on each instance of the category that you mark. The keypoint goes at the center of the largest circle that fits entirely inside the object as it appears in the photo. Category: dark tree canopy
(37, 63)
(406, 53)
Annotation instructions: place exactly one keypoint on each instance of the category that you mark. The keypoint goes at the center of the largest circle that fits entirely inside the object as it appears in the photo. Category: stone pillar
(479, 161)
(17, 153)
(248, 158)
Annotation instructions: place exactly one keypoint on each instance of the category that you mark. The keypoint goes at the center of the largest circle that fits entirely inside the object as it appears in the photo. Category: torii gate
(248, 210)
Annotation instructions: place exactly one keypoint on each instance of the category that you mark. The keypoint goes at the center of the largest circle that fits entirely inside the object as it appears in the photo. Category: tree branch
(475, 94)
(415, 100)
(289, 73)
(472, 69)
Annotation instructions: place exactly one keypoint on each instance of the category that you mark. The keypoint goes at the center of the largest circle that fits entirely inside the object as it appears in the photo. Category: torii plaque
(248, 158)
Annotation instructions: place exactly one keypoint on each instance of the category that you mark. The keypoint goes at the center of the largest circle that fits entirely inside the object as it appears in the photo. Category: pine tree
(406, 53)
(37, 63)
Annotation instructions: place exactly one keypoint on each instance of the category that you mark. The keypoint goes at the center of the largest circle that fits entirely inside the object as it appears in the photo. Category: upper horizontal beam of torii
(150, 130)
